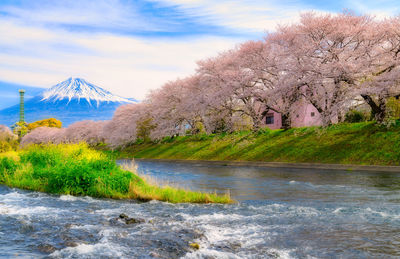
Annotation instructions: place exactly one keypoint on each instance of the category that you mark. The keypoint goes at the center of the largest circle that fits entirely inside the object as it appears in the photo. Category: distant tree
(51, 123)
(44, 135)
(122, 129)
(20, 129)
(87, 131)
(8, 140)
(6, 134)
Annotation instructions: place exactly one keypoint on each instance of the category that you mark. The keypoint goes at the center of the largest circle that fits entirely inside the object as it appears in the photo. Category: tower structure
(21, 106)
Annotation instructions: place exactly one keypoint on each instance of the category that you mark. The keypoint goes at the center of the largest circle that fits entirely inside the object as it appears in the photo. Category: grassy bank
(79, 170)
(358, 143)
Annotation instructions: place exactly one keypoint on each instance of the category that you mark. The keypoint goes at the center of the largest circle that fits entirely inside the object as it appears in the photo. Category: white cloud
(253, 15)
(125, 65)
(261, 15)
(103, 14)
(379, 8)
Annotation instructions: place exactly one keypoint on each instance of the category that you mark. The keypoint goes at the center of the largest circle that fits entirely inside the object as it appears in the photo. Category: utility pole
(21, 106)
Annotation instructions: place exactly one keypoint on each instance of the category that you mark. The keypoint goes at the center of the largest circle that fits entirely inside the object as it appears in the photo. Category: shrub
(167, 139)
(7, 166)
(393, 108)
(354, 116)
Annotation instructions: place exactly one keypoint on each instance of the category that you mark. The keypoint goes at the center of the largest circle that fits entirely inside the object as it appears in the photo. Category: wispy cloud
(378, 8)
(143, 18)
(99, 14)
(245, 15)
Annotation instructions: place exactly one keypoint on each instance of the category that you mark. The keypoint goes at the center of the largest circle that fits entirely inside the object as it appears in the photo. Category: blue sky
(130, 47)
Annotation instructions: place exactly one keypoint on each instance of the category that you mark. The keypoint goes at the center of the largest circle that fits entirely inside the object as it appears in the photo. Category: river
(281, 213)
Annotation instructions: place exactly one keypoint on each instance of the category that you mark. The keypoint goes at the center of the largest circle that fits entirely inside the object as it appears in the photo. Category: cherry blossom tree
(272, 87)
(171, 109)
(122, 129)
(383, 79)
(234, 88)
(327, 55)
(87, 131)
(44, 135)
(6, 134)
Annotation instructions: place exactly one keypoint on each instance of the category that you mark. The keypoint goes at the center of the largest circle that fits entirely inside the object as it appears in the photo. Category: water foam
(90, 250)
(208, 253)
(68, 198)
(29, 211)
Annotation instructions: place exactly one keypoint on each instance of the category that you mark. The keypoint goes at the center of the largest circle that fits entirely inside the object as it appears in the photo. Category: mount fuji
(70, 101)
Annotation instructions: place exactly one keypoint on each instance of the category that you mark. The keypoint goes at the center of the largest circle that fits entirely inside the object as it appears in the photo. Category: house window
(269, 119)
(312, 114)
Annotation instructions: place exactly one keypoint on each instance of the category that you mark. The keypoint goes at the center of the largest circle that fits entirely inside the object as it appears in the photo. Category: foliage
(8, 140)
(144, 128)
(20, 129)
(78, 170)
(393, 107)
(353, 116)
(355, 143)
(6, 146)
(51, 123)
(199, 128)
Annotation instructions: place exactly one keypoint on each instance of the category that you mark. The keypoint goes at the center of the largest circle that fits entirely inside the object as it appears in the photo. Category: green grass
(358, 143)
(78, 170)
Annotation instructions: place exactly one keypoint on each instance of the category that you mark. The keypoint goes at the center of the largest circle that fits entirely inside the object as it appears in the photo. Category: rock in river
(129, 220)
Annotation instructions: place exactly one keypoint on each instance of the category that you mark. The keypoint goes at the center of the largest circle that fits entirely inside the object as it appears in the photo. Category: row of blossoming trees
(329, 61)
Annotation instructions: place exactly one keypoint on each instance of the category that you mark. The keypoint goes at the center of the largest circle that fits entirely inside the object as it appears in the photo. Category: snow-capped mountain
(70, 101)
(78, 88)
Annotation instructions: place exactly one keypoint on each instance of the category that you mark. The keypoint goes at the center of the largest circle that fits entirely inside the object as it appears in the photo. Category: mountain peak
(79, 88)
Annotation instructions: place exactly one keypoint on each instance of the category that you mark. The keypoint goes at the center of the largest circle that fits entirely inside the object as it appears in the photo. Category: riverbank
(348, 144)
(76, 169)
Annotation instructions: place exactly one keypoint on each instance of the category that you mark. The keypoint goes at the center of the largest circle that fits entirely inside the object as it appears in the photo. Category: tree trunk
(256, 124)
(380, 117)
(286, 121)
(326, 119)
(325, 115)
(378, 111)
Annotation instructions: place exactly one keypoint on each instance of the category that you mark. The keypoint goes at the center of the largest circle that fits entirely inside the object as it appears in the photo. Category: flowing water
(281, 213)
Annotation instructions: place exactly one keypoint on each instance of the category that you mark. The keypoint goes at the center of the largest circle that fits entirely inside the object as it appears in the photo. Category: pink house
(273, 120)
(305, 116)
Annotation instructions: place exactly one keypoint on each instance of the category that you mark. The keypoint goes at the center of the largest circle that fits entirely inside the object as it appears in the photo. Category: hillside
(358, 143)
